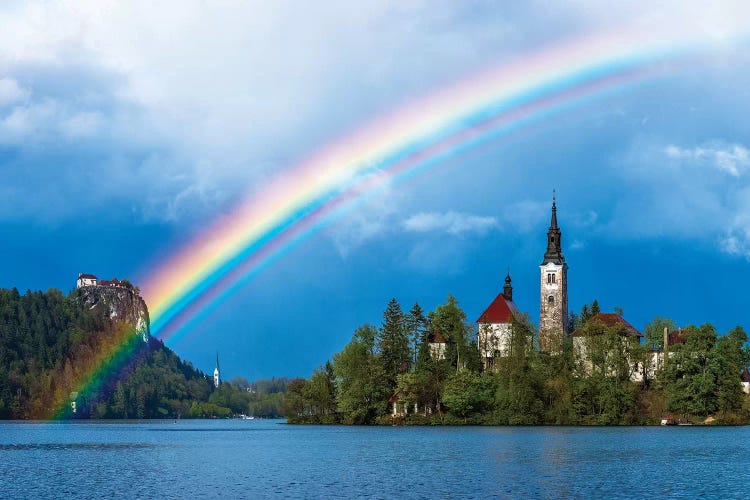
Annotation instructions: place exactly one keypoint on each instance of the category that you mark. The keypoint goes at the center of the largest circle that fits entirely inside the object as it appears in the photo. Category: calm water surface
(267, 458)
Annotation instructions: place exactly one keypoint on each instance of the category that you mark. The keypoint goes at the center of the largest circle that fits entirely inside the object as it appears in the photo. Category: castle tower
(217, 378)
(553, 316)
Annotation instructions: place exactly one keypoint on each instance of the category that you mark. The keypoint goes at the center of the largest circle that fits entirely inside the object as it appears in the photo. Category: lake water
(267, 458)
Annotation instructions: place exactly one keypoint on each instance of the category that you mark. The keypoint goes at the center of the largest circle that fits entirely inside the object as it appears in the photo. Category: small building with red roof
(495, 325)
(438, 345)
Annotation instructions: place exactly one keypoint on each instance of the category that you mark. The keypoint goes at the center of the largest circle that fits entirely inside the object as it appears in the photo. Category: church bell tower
(553, 316)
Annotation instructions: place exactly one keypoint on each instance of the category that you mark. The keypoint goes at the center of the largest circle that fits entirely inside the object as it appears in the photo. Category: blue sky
(126, 129)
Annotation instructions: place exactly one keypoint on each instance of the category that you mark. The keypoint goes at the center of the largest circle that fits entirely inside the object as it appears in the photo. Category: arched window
(553, 279)
(551, 300)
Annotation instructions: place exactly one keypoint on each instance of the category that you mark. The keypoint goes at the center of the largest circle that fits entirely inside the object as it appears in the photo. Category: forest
(49, 343)
(393, 363)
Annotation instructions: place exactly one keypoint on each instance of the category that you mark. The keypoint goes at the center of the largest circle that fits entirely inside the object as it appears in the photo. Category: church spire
(508, 288)
(554, 237)
(217, 376)
(553, 222)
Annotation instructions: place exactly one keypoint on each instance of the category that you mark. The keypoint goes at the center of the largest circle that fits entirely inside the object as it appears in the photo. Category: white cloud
(11, 92)
(226, 97)
(733, 159)
(454, 223)
(685, 198)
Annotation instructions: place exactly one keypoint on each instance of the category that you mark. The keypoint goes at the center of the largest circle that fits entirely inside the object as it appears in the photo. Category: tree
(595, 308)
(654, 331)
(416, 326)
(450, 321)
(727, 359)
(519, 394)
(468, 393)
(393, 343)
(363, 388)
(689, 378)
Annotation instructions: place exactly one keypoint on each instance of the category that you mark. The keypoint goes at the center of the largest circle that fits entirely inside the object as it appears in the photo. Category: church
(495, 323)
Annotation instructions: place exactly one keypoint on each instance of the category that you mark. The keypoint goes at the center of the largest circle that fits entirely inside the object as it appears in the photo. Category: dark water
(265, 458)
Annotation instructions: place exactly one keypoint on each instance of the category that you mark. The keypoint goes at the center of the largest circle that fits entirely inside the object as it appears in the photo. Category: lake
(267, 458)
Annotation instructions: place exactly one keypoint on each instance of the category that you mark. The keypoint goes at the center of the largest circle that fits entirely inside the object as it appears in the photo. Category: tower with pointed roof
(553, 316)
(217, 378)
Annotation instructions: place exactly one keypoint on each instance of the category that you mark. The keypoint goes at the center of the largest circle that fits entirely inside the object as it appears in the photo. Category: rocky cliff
(122, 303)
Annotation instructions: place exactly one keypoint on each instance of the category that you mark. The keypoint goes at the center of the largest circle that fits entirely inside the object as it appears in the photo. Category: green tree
(363, 388)
(654, 331)
(416, 327)
(393, 343)
(467, 393)
(520, 389)
(690, 376)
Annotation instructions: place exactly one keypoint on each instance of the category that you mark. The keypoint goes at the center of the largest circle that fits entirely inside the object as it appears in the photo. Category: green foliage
(362, 382)
(700, 378)
(393, 343)
(415, 326)
(654, 331)
(467, 393)
(48, 342)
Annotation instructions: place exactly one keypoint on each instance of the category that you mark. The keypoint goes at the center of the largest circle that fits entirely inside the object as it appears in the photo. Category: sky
(128, 129)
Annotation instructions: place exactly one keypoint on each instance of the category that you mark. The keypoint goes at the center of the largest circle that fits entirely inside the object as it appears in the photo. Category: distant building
(745, 378)
(217, 378)
(438, 345)
(86, 280)
(495, 324)
(91, 280)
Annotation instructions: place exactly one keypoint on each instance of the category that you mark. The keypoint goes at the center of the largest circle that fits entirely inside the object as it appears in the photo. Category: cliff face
(122, 304)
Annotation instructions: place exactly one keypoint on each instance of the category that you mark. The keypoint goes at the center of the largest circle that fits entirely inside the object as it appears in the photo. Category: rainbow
(307, 196)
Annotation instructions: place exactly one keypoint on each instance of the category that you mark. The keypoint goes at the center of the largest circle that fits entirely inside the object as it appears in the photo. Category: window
(551, 300)
(551, 278)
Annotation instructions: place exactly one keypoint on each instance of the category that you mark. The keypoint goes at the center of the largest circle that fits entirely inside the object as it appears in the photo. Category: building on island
(553, 315)
(660, 353)
(438, 345)
(594, 326)
(745, 378)
(495, 324)
(217, 376)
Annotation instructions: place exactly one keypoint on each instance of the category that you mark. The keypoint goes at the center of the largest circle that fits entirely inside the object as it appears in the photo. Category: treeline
(50, 343)
(397, 364)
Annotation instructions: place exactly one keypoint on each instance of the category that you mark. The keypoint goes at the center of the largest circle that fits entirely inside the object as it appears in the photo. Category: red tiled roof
(610, 320)
(676, 337)
(501, 310)
(436, 338)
